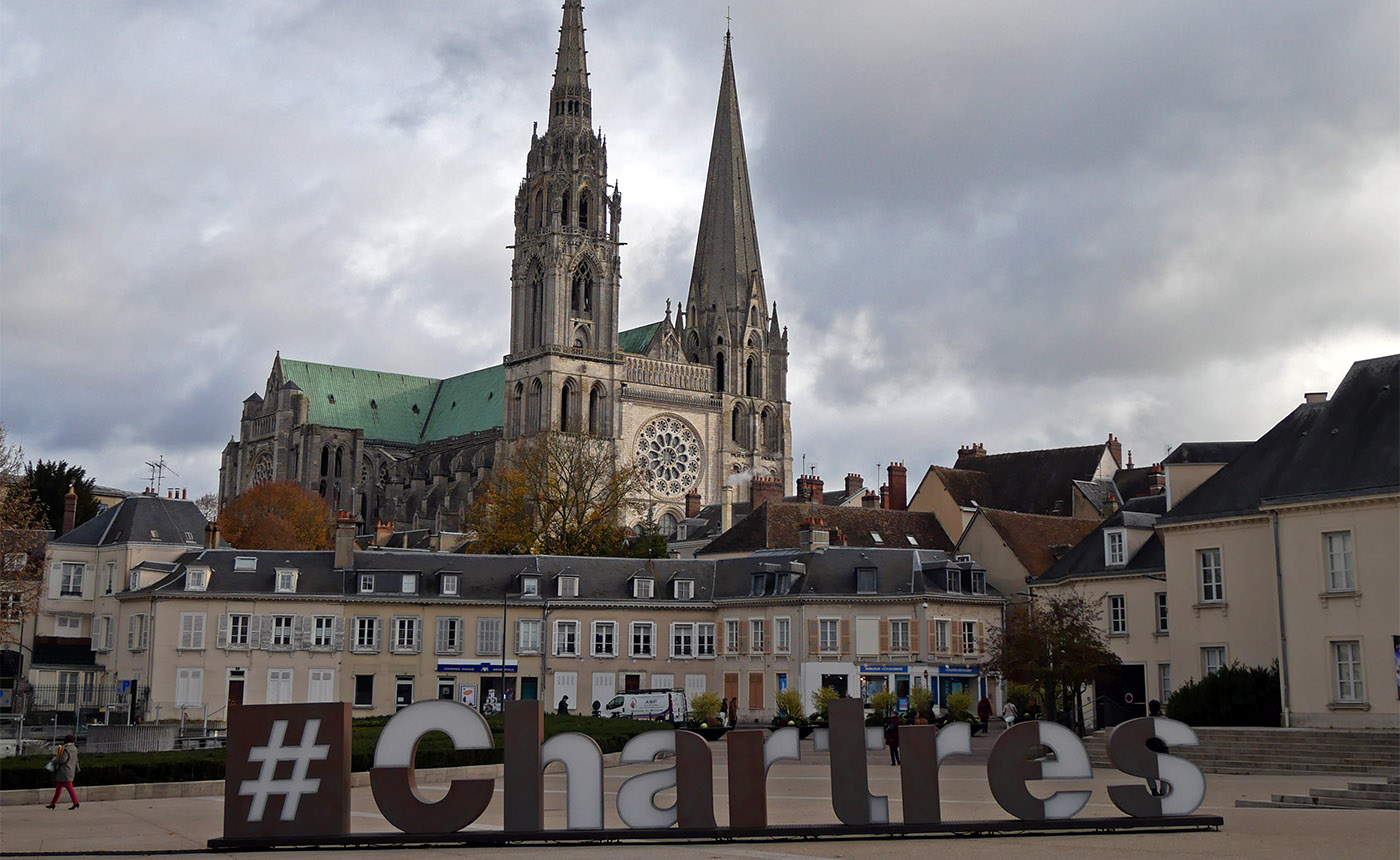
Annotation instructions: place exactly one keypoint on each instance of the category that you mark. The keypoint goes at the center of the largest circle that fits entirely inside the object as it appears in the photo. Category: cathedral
(699, 399)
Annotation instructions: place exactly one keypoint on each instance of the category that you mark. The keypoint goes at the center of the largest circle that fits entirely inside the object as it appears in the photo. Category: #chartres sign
(288, 772)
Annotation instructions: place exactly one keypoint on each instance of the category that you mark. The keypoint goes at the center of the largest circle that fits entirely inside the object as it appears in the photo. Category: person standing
(1008, 713)
(984, 712)
(564, 706)
(892, 737)
(65, 767)
(734, 711)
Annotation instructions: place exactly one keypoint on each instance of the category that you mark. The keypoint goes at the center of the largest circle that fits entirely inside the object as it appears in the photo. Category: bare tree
(23, 542)
(208, 505)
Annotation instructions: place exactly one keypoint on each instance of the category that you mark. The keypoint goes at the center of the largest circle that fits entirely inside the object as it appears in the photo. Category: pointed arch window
(539, 210)
(325, 463)
(532, 407)
(739, 426)
(770, 430)
(596, 418)
(568, 407)
(751, 380)
(719, 372)
(582, 293)
(583, 209)
(564, 210)
(535, 325)
(513, 416)
(339, 459)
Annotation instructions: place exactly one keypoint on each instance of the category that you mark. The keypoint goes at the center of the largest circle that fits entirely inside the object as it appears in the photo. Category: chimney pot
(1315, 397)
(854, 484)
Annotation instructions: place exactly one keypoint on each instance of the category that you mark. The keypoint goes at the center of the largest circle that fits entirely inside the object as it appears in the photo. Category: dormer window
(875, 536)
(286, 581)
(756, 586)
(448, 584)
(913, 541)
(977, 581)
(1115, 547)
(783, 584)
(643, 587)
(366, 583)
(684, 589)
(529, 586)
(196, 579)
(866, 580)
(245, 564)
(954, 583)
(567, 586)
(409, 583)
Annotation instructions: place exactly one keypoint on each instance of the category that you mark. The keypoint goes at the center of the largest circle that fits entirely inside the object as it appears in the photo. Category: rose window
(670, 452)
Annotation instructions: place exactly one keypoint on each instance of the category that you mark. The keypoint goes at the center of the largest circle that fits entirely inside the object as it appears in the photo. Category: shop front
(895, 678)
(486, 685)
(945, 680)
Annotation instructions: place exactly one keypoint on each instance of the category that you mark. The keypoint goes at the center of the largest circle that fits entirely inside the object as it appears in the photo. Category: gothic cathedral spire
(570, 101)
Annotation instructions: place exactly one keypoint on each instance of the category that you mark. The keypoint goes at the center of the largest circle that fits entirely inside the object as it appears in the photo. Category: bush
(821, 699)
(883, 702)
(959, 705)
(1234, 696)
(704, 708)
(789, 704)
(921, 701)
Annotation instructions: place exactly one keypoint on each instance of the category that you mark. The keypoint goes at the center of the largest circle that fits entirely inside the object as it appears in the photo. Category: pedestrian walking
(984, 712)
(564, 706)
(892, 737)
(724, 712)
(1008, 713)
(734, 711)
(65, 767)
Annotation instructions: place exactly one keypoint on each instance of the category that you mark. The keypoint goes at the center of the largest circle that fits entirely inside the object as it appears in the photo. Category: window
(238, 629)
(828, 635)
(1160, 602)
(1117, 615)
(189, 687)
(685, 589)
(1346, 657)
(969, 638)
(643, 634)
(757, 640)
(899, 635)
(1341, 575)
(133, 580)
(406, 634)
(68, 625)
(705, 640)
(111, 577)
(1212, 576)
(529, 586)
(245, 564)
(366, 634)
(286, 581)
(1213, 659)
(409, 584)
(682, 640)
(320, 685)
(102, 633)
(366, 583)
(68, 688)
(953, 581)
(642, 587)
(488, 636)
(71, 584)
(566, 638)
(1114, 547)
(196, 579)
(783, 584)
(731, 636)
(279, 686)
(757, 586)
(136, 632)
(528, 633)
(913, 541)
(940, 635)
(865, 580)
(1164, 681)
(977, 581)
(282, 631)
(364, 691)
(192, 631)
(782, 636)
(449, 584)
(448, 639)
(323, 631)
(567, 586)
(604, 638)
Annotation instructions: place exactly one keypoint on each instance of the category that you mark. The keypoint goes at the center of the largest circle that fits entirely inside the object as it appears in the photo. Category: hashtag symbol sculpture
(274, 753)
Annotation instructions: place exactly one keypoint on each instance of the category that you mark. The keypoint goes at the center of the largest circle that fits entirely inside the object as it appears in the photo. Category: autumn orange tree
(23, 540)
(560, 494)
(277, 515)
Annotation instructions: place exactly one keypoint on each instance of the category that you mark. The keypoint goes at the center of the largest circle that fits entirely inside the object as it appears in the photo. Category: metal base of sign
(773, 833)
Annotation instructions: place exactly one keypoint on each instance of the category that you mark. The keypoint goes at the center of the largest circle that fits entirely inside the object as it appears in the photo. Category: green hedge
(435, 750)
(1234, 696)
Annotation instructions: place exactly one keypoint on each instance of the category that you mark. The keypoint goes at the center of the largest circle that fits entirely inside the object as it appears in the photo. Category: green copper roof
(635, 340)
(468, 403)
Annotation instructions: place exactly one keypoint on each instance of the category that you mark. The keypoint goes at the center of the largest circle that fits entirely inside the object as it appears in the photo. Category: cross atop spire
(570, 101)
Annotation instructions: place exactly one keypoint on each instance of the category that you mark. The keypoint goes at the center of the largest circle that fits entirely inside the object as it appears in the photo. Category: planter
(712, 733)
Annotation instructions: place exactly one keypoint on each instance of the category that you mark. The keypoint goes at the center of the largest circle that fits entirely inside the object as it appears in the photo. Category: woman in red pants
(65, 768)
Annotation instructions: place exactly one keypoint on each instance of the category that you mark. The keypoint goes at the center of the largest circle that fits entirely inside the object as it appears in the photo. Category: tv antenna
(158, 470)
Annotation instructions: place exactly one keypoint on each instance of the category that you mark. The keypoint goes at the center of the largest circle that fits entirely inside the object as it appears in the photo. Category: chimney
(813, 534)
(899, 496)
(804, 488)
(814, 486)
(854, 484)
(1315, 397)
(185, 495)
(344, 540)
(1110, 505)
(763, 489)
(726, 508)
(885, 496)
(870, 500)
(973, 450)
(1157, 481)
(211, 535)
(692, 504)
(1116, 449)
(383, 531)
(837, 538)
(70, 510)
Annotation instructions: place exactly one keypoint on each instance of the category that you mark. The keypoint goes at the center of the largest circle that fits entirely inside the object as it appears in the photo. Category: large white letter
(636, 798)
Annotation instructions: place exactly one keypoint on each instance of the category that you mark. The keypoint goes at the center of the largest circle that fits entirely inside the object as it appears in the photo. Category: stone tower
(727, 324)
(563, 369)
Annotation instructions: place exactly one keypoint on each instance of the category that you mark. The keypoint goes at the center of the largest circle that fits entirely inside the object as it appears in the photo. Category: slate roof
(1347, 445)
(832, 573)
(135, 518)
(1033, 538)
(1087, 558)
(775, 524)
(1034, 482)
(1205, 452)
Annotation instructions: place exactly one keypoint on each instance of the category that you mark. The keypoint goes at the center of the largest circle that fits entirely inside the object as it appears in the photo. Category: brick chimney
(1110, 505)
(763, 489)
(813, 534)
(1156, 481)
(837, 538)
(211, 535)
(973, 450)
(899, 494)
(885, 496)
(1116, 449)
(870, 500)
(726, 508)
(70, 510)
(804, 488)
(854, 484)
(344, 540)
(814, 486)
(692, 504)
(382, 532)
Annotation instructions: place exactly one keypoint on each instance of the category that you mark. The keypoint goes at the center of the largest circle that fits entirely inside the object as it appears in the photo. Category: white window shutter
(418, 635)
(338, 636)
(55, 578)
(255, 635)
(303, 632)
(221, 638)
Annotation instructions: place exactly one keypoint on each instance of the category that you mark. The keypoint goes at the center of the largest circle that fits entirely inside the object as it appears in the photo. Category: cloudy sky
(1024, 224)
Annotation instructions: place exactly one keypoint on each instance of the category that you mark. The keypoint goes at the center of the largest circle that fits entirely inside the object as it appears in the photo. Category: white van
(667, 705)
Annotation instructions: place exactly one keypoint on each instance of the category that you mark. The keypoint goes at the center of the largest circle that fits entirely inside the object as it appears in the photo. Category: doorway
(403, 693)
(1123, 697)
(235, 686)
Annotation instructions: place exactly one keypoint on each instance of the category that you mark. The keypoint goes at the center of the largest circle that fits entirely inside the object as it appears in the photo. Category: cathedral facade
(700, 399)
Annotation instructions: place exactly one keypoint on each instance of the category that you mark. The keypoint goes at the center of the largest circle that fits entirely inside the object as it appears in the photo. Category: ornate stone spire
(570, 102)
(727, 270)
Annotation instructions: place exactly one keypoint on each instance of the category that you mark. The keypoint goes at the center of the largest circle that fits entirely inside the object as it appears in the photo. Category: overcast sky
(1021, 224)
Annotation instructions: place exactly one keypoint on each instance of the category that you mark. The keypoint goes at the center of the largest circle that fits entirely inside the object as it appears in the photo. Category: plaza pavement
(799, 793)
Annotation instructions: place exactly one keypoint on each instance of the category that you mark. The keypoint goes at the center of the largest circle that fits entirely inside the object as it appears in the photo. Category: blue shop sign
(485, 666)
(883, 670)
(958, 670)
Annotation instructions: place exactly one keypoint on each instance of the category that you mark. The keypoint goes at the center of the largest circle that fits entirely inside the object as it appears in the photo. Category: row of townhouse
(1285, 550)
(382, 628)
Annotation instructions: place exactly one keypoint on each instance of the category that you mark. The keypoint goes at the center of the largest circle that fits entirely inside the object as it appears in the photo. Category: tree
(560, 494)
(646, 541)
(277, 515)
(1055, 645)
(208, 505)
(23, 539)
(49, 482)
